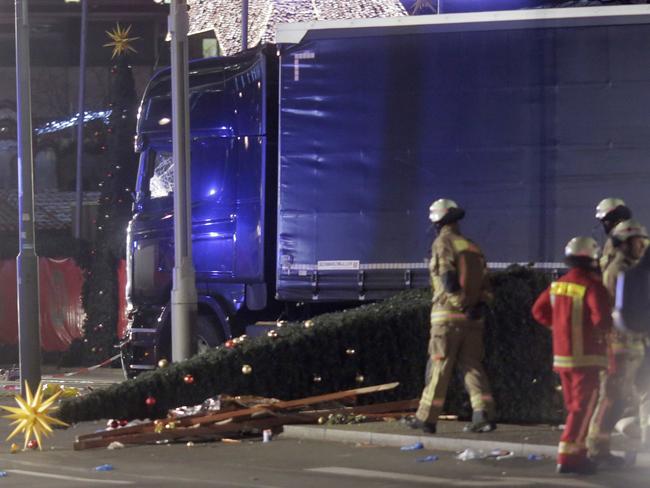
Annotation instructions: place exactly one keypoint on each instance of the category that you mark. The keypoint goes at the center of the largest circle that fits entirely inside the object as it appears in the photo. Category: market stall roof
(224, 16)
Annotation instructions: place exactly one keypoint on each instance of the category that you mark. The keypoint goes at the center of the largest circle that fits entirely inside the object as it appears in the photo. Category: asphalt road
(282, 463)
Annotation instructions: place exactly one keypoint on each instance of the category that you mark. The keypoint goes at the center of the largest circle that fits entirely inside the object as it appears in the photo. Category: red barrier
(62, 315)
(60, 293)
(8, 302)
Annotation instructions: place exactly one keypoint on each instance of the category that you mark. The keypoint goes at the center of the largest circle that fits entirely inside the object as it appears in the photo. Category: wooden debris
(241, 420)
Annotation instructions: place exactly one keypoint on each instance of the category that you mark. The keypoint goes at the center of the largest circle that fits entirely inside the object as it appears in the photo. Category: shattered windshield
(161, 183)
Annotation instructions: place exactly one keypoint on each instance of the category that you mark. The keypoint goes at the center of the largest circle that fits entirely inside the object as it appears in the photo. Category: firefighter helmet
(582, 247)
(444, 211)
(628, 228)
(607, 206)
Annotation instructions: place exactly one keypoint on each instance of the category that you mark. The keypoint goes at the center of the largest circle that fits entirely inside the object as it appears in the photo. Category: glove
(476, 312)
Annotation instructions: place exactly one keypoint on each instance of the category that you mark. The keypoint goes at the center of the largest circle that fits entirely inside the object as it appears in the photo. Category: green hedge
(389, 340)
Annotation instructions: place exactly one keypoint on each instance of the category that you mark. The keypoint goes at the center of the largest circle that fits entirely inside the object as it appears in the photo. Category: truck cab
(230, 121)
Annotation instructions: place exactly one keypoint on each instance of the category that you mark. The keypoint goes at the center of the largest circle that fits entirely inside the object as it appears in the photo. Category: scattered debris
(447, 417)
(469, 454)
(535, 457)
(427, 459)
(115, 445)
(500, 454)
(231, 418)
(267, 435)
(412, 447)
(104, 467)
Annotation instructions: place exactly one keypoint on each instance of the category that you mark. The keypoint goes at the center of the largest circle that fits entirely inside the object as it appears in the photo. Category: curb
(431, 442)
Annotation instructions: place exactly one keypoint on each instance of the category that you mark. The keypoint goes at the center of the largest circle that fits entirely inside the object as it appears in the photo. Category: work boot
(585, 467)
(480, 423)
(426, 427)
(607, 460)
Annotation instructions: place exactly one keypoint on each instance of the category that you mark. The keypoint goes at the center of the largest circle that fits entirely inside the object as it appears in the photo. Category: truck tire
(209, 333)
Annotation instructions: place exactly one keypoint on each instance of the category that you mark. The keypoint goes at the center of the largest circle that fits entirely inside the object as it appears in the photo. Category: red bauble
(229, 344)
(188, 379)
(150, 401)
(113, 424)
(123, 422)
(32, 444)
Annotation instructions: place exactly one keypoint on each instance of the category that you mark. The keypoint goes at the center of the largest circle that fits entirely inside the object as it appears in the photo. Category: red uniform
(577, 308)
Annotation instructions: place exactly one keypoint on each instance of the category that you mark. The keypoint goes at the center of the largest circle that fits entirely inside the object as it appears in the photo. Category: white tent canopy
(224, 16)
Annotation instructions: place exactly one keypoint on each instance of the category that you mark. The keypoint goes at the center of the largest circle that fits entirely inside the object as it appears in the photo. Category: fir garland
(369, 345)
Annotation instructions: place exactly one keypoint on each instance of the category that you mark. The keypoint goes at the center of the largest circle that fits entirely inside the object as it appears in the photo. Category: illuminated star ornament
(121, 42)
(31, 416)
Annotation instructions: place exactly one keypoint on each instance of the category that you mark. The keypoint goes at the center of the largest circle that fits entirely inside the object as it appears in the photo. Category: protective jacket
(578, 308)
(609, 253)
(454, 257)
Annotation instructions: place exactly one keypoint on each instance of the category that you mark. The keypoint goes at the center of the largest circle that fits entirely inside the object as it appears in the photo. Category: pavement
(521, 440)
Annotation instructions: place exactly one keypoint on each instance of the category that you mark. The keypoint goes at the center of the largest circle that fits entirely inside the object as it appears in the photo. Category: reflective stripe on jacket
(578, 309)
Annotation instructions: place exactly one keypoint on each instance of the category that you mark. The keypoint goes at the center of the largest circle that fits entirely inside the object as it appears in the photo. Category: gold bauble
(321, 420)
(308, 324)
(360, 378)
(158, 428)
(14, 448)
(247, 369)
(272, 333)
(163, 363)
(170, 426)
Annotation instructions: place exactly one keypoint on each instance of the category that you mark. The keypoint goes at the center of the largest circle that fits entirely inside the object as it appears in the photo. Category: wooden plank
(232, 429)
(203, 419)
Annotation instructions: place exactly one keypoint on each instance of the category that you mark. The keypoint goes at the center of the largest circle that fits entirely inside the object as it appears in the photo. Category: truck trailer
(314, 160)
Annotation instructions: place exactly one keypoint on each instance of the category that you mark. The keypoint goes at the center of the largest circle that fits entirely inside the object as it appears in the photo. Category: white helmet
(582, 247)
(441, 207)
(608, 205)
(628, 228)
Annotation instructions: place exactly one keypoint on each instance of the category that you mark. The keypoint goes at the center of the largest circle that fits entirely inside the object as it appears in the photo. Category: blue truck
(314, 161)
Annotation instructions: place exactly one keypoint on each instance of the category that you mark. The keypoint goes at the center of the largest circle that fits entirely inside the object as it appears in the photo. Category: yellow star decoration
(121, 40)
(32, 415)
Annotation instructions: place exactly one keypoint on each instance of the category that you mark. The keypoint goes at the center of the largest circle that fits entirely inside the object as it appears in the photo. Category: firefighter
(578, 310)
(610, 211)
(617, 391)
(460, 292)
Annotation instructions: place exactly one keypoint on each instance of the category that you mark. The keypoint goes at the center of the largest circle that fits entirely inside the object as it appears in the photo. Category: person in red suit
(577, 308)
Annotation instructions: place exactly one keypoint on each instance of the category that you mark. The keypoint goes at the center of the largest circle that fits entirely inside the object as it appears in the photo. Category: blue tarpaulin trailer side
(527, 119)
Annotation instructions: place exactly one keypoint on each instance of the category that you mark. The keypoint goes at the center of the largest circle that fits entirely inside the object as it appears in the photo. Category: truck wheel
(209, 333)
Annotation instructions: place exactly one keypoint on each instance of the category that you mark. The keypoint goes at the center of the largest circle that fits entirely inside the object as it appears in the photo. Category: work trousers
(580, 391)
(617, 392)
(457, 341)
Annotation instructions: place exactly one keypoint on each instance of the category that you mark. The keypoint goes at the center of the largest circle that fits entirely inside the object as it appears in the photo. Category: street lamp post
(80, 119)
(183, 299)
(29, 336)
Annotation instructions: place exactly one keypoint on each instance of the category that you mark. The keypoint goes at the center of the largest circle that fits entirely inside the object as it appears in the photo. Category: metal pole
(80, 119)
(244, 25)
(29, 336)
(183, 297)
